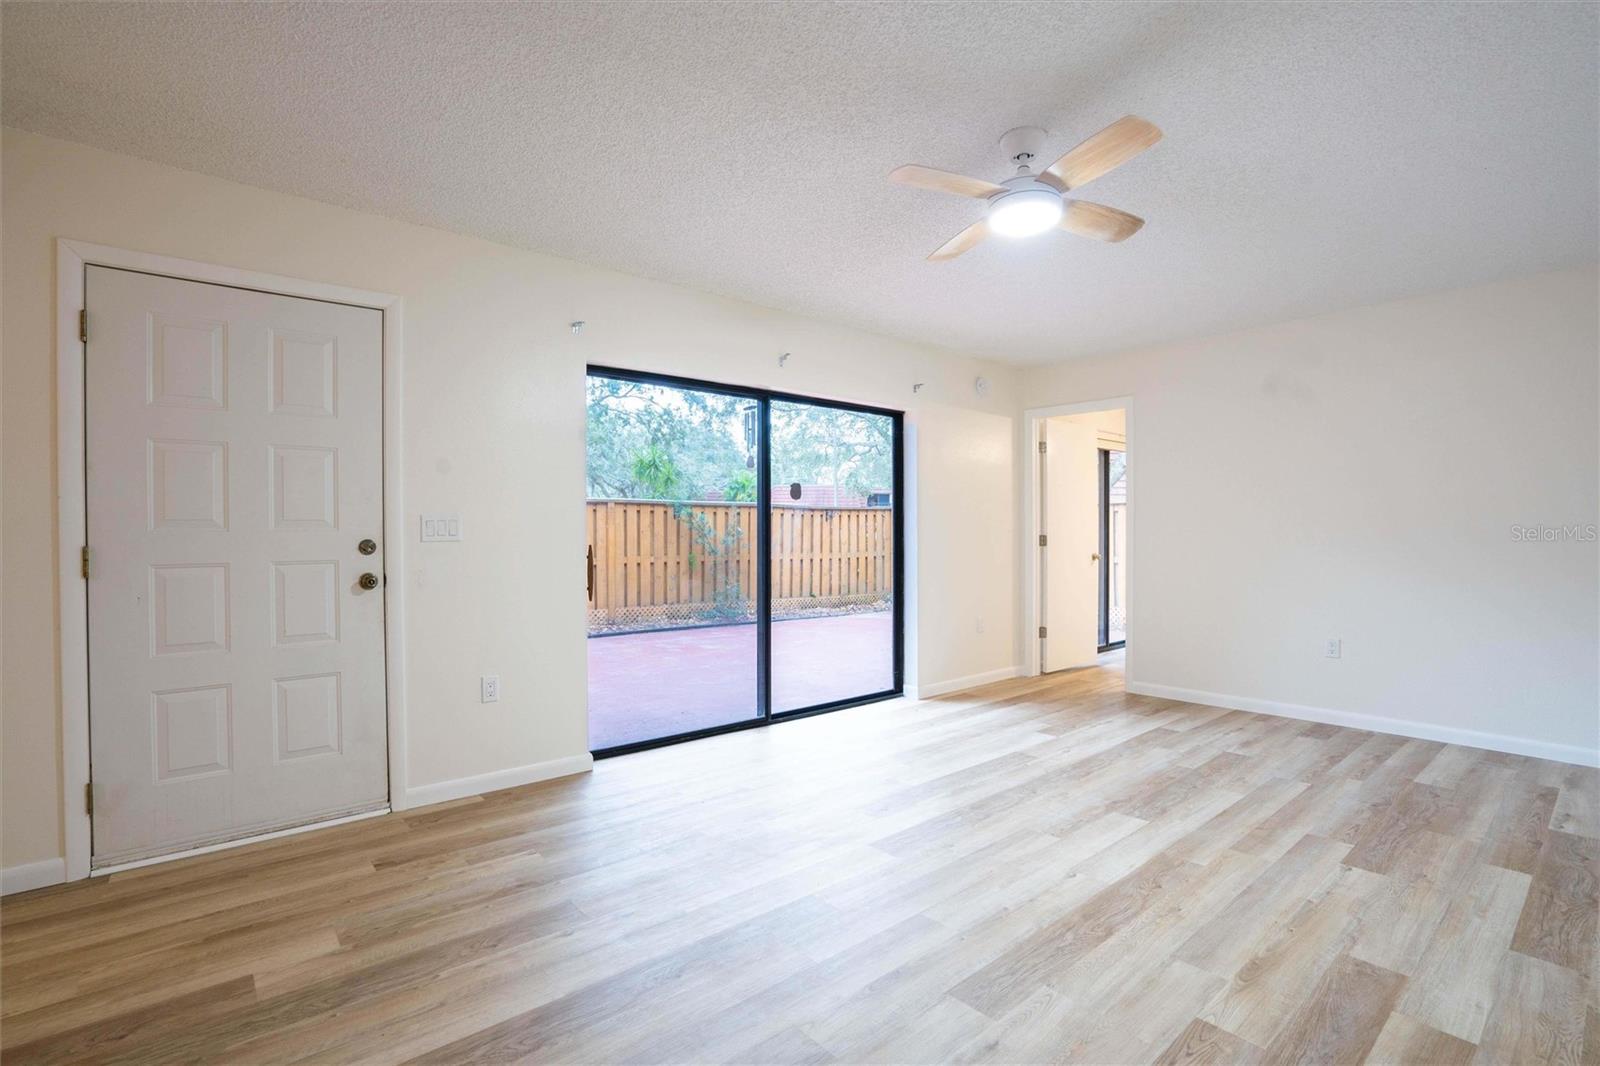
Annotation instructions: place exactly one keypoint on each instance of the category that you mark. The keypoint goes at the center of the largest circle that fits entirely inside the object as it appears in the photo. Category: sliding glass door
(743, 557)
(671, 514)
(1113, 549)
(833, 554)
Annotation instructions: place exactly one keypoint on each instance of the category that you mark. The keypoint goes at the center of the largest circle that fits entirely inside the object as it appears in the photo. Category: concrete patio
(655, 684)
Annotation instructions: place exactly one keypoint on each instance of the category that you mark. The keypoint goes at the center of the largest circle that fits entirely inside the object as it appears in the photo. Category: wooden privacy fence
(663, 564)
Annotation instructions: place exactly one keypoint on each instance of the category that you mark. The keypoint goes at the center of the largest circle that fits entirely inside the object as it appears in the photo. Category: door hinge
(1043, 447)
(1043, 540)
(83, 325)
(1041, 632)
(88, 797)
(83, 561)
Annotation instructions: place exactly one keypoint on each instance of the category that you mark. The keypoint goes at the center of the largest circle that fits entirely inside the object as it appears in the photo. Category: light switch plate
(441, 527)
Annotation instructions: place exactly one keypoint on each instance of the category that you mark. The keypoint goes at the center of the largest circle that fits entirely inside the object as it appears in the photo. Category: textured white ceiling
(1317, 155)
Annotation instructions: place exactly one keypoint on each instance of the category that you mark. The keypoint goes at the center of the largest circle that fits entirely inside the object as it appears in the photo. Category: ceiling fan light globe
(1025, 212)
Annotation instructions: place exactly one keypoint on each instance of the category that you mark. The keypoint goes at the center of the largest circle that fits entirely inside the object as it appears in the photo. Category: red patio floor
(648, 685)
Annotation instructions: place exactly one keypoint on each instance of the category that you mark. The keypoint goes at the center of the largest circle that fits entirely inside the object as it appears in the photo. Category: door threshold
(121, 867)
(635, 746)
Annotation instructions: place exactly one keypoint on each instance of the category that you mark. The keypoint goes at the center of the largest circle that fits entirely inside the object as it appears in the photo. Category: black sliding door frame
(764, 398)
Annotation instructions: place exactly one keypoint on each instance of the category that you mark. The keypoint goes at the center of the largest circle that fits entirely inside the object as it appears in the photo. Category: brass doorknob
(1095, 558)
(368, 581)
(367, 547)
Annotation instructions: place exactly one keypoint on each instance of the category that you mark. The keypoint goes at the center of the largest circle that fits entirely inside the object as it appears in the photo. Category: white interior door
(234, 466)
(1069, 560)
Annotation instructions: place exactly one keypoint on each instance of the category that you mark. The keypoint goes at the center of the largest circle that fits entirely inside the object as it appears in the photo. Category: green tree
(741, 487)
(702, 434)
(703, 437)
(656, 474)
(827, 446)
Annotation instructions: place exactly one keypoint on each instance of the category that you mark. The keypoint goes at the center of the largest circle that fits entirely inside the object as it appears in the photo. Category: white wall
(1357, 475)
(1354, 475)
(493, 401)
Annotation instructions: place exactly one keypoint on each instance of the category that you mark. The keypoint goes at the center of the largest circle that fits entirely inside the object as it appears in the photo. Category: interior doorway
(1079, 593)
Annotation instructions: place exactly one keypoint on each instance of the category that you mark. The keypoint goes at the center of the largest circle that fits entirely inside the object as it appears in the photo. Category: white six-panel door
(234, 465)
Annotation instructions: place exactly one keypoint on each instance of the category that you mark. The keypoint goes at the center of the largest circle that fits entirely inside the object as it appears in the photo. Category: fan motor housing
(1024, 187)
(1024, 183)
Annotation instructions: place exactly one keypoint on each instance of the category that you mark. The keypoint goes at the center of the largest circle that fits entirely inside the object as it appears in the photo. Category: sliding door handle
(588, 570)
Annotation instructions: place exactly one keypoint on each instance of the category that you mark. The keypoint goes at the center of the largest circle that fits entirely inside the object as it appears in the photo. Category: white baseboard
(959, 684)
(32, 875)
(444, 791)
(1376, 723)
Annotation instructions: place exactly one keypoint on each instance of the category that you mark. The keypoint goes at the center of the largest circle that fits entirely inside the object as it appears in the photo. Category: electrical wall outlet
(978, 625)
(489, 688)
(1335, 648)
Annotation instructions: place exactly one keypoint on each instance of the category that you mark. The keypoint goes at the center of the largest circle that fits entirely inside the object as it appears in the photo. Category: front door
(234, 472)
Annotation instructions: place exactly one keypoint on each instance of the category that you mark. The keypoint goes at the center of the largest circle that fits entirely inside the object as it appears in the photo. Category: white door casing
(1069, 492)
(234, 462)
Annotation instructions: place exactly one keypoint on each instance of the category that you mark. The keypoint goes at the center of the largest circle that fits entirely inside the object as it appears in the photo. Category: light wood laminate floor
(1042, 870)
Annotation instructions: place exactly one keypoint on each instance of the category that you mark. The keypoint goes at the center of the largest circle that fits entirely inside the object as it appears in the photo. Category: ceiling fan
(1033, 203)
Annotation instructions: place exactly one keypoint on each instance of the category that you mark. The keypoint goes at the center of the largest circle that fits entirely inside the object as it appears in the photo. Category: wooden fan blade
(1104, 152)
(961, 242)
(943, 181)
(1099, 221)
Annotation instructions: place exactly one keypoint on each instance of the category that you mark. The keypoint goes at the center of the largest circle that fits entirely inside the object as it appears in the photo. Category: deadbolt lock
(367, 547)
(369, 581)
